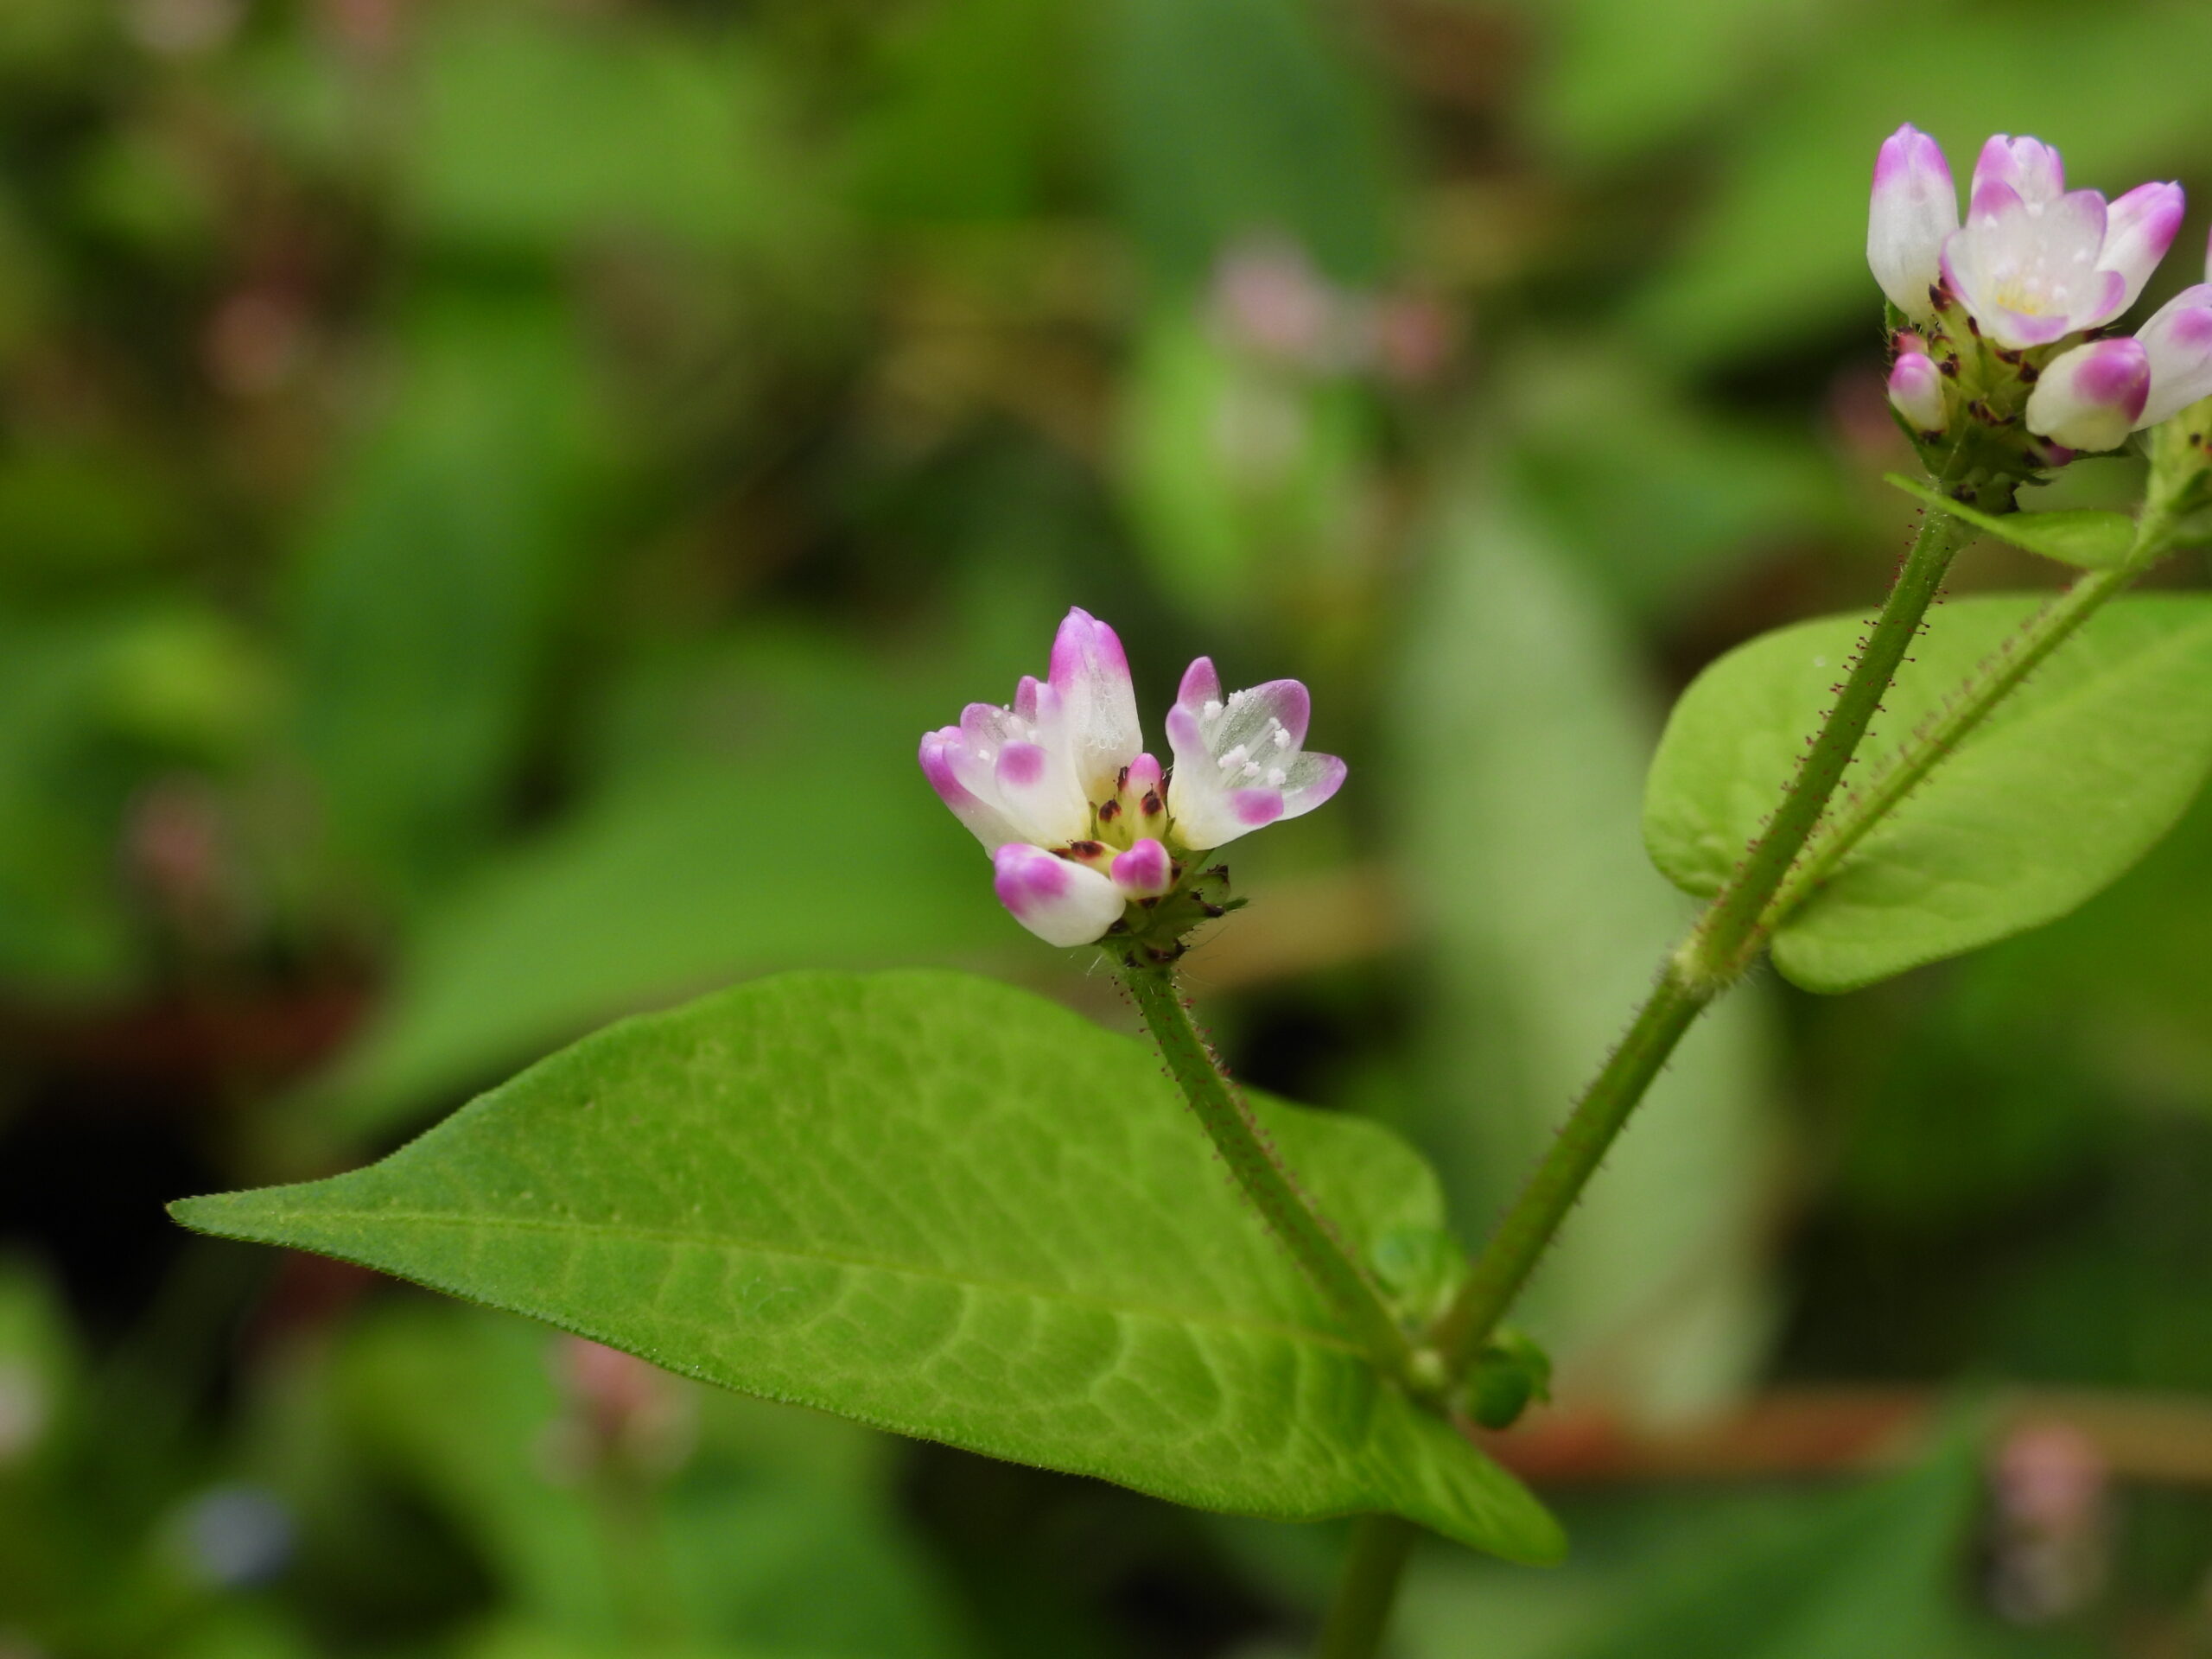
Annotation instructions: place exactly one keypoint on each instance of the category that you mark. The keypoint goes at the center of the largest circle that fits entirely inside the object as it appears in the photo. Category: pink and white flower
(2032, 261)
(1079, 821)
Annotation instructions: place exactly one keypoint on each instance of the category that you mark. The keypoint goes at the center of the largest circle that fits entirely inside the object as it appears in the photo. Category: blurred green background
(490, 494)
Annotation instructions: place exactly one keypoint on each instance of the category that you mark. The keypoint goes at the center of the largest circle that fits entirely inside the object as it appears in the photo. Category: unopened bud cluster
(2003, 364)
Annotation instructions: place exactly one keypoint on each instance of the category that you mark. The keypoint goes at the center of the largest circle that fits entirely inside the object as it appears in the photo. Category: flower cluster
(1091, 836)
(2005, 311)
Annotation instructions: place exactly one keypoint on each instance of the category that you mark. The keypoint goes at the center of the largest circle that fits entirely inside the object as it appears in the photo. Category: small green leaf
(941, 1206)
(2079, 536)
(2057, 793)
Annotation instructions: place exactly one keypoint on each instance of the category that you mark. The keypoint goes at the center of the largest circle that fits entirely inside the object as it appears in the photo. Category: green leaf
(675, 881)
(2069, 782)
(429, 585)
(1231, 117)
(941, 1206)
(1868, 1570)
(2090, 540)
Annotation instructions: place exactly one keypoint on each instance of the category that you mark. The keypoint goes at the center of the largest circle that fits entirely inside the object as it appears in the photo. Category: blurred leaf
(1522, 854)
(797, 1567)
(534, 128)
(1665, 517)
(781, 1189)
(1227, 119)
(87, 703)
(1780, 254)
(1243, 477)
(2073, 779)
(2090, 540)
(429, 586)
(741, 852)
(73, 518)
(1623, 76)
(1871, 1571)
(972, 113)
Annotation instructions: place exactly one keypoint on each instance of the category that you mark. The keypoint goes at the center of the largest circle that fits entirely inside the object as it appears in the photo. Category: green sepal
(1512, 1374)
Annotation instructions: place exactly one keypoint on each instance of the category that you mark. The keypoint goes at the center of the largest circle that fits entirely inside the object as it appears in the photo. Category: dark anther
(1153, 805)
(1110, 812)
(2030, 374)
(1123, 781)
(1948, 366)
(1972, 328)
(1121, 926)
(1205, 909)
(1083, 849)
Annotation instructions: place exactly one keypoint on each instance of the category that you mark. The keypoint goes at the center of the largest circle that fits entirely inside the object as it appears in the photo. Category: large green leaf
(2070, 781)
(939, 1205)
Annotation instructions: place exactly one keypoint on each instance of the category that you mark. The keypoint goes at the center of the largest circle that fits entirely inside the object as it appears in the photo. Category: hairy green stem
(1373, 1565)
(1722, 945)
(1244, 1149)
(2049, 629)
(1731, 932)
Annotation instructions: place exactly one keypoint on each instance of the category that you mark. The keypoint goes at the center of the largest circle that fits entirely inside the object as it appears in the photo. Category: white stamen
(1282, 738)
(983, 755)
(1236, 698)
(1275, 775)
(1251, 768)
(1236, 757)
(1213, 709)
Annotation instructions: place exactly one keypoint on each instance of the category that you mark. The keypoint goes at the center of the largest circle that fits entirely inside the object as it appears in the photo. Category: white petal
(1915, 206)
(2030, 167)
(2139, 229)
(943, 754)
(1090, 672)
(1062, 903)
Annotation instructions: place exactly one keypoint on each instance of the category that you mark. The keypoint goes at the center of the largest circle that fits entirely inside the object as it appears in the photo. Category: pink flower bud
(2091, 396)
(1916, 393)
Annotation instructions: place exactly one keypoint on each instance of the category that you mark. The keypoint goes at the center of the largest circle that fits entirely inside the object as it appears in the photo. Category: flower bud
(1916, 393)
(1915, 206)
(1145, 871)
(2139, 229)
(2178, 341)
(2091, 396)
(1060, 901)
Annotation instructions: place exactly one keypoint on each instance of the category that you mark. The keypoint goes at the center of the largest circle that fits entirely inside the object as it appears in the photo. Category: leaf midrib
(1307, 1334)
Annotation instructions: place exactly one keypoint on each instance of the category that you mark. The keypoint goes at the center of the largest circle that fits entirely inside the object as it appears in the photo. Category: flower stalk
(1292, 1216)
(1719, 949)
